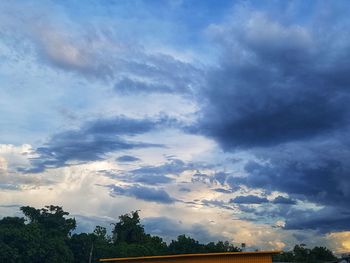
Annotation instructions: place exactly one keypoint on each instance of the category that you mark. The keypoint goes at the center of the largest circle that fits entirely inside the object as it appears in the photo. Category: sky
(222, 120)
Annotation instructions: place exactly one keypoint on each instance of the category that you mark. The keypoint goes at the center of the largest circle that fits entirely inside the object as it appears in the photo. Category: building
(228, 257)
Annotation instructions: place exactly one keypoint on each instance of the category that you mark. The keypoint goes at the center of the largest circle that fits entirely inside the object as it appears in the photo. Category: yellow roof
(191, 255)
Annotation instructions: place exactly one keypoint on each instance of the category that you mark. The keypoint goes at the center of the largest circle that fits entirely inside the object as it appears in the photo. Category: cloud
(170, 229)
(150, 194)
(185, 190)
(325, 220)
(249, 199)
(153, 174)
(127, 86)
(154, 73)
(96, 50)
(217, 203)
(312, 171)
(87, 223)
(11, 157)
(92, 141)
(283, 200)
(11, 206)
(276, 83)
(8, 186)
(174, 166)
(149, 179)
(220, 177)
(280, 93)
(127, 158)
(222, 190)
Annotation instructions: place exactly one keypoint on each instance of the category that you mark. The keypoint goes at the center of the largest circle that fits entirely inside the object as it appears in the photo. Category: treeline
(46, 235)
(301, 253)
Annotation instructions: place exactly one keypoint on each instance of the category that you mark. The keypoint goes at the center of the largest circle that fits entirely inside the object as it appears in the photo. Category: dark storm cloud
(92, 141)
(315, 171)
(312, 171)
(282, 93)
(150, 194)
(249, 199)
(325, 220)
(270, 212)
(276, 84)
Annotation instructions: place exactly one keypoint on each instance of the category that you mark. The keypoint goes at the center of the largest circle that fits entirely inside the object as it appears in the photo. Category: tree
(129, 229)
(221, 246)
(301, 253)
(47, 235)
(51, 218)
(321, 254)
(80, 245)
(12, 239)
(130, 238)
(185, 245)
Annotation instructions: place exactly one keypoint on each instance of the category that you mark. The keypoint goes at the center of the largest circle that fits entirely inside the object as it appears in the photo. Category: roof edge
(191, 255)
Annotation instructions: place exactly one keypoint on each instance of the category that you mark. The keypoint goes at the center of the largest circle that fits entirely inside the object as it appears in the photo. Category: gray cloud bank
(282, 92)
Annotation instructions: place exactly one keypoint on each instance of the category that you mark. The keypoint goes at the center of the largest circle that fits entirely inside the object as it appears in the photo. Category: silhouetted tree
(45, 235)
(301, 253)
(129, 229)
(185, 245)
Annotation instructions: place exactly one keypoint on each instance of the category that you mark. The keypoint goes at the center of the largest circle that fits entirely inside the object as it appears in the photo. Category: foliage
(45, 235)
(129, 229)
(301, 253)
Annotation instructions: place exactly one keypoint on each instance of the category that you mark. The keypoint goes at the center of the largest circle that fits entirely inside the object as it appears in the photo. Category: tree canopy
(301, 253)
(46, 235)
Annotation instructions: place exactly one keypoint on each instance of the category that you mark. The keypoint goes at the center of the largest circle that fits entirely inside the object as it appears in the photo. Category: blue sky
(221, 119)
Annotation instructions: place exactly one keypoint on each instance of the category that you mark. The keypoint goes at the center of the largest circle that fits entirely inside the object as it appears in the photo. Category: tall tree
(129, 229)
